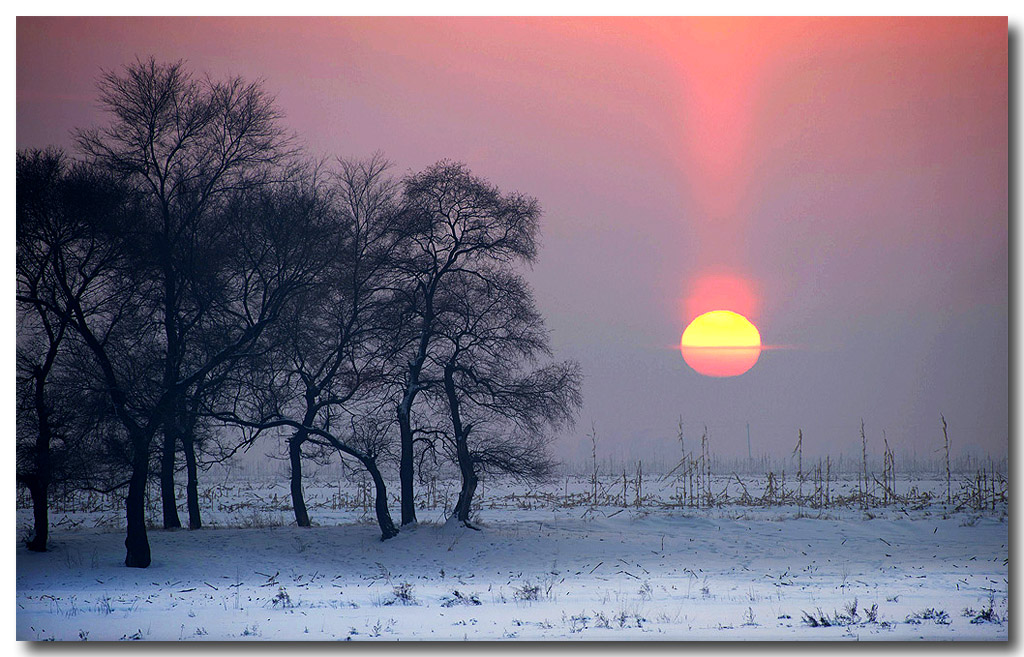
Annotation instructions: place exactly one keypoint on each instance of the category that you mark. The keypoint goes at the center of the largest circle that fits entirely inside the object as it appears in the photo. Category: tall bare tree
(186, 145)
(60, 209)
(459, 224)
(323, 377)
(78, 251)
(98, 289)
(491, 339)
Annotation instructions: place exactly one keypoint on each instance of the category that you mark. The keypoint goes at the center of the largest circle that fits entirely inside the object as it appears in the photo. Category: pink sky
(846, 178)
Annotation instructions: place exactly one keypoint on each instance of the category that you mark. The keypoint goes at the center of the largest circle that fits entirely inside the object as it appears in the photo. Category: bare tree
(491, 338)
(100, 292)
(39, 177)
(323, 376)
(458, 223)
(186, 145)
(78, 251)
(335, 346)
(65, 212)
(192, 229)
(366, 440)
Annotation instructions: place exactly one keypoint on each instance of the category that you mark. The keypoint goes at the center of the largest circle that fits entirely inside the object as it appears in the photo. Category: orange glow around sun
(721, 343)
(716, 290)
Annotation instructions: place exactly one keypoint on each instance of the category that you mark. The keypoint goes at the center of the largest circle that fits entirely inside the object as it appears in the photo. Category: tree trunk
(405, 472)
(387, 526)
(195, 520)
(170, 503)
(173, 420)
(40, 515)
(406, 463)
(40, 485)
(136, 543)
(464, 505)
(295, 457)
(469, 478)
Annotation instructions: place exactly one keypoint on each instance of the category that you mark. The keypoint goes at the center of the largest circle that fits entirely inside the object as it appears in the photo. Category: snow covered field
(536, 571)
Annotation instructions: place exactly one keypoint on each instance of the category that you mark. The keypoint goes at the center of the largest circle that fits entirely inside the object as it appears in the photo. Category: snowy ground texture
(535, 571)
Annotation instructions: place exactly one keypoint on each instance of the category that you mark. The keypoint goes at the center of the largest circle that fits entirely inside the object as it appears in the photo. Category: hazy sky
(842, 182)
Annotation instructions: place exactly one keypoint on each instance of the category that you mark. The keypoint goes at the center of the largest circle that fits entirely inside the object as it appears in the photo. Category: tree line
(189, 280)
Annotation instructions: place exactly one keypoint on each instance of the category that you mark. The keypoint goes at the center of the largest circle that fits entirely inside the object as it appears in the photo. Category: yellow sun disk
(721, 343)
(721, 328)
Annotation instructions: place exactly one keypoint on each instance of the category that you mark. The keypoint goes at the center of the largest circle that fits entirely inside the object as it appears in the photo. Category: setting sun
(721, 343)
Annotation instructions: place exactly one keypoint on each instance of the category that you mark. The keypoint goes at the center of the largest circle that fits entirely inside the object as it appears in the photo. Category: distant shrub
(402, 594)
(939, 616)
(986, 615)
(282, 598)
(528, 592)
(457, 598)
(849, 616)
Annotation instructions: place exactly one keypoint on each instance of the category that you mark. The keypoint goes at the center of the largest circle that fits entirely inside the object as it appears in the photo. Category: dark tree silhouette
(269, 262)
(186, 145)
(40, 187)
(68, 258)
(323, 377)
(64, 429)
(490, 339)
(458, 223)
(192, 270)
(73, 270)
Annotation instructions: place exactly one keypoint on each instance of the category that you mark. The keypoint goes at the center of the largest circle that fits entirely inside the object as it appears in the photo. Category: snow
(534, 571)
